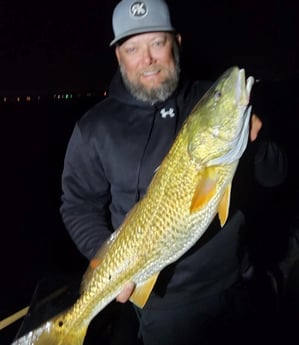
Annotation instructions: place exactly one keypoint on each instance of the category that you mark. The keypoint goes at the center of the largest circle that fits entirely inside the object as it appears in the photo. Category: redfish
(191, 186)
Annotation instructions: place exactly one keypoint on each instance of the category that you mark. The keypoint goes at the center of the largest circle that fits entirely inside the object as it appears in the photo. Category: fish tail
(71, 337)
(54, 332)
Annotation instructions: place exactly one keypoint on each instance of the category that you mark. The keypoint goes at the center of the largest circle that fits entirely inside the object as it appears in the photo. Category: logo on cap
(138, 9)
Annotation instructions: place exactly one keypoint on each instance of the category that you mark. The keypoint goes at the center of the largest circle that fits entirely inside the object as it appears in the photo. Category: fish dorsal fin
(93, 264)
(205, 189)
(98, 258)
(142, 291)
(223, 207)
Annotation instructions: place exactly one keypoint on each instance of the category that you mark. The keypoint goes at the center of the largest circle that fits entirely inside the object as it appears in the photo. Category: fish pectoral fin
(142, 291)
(223, 208)
(205, 190)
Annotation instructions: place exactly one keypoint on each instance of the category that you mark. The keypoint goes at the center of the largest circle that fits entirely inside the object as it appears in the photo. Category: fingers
(256, 125)
(126, 292)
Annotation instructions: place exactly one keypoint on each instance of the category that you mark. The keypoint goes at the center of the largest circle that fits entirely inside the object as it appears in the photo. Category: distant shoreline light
(58, 96)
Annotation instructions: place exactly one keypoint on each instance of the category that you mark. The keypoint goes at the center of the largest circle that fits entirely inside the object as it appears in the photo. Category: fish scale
(190, 187)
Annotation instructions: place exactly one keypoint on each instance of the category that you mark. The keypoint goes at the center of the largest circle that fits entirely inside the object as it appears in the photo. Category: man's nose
(148, 56)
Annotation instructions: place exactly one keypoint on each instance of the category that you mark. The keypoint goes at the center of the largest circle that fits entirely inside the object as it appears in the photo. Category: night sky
(58, 45)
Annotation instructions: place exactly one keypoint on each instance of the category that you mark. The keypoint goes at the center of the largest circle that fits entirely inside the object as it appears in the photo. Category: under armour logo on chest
(164, 113)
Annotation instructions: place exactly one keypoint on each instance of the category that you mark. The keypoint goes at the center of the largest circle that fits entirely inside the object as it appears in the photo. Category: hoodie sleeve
(85, 196)
(270, 164)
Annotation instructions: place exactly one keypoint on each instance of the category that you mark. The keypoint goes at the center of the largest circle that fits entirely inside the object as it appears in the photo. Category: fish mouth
(244, 87)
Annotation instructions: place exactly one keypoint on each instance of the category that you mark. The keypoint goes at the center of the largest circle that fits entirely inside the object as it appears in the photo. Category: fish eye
(217, 95)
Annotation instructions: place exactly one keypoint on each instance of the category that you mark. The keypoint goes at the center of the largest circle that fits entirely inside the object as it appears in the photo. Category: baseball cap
(132, 17)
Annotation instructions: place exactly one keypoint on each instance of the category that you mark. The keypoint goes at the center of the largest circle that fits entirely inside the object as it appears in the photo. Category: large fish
(190, 187)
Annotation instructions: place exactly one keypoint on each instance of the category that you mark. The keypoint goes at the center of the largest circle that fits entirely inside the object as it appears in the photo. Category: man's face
(149, 65)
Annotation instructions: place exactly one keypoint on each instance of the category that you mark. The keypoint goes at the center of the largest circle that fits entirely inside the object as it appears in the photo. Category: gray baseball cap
(132, 17)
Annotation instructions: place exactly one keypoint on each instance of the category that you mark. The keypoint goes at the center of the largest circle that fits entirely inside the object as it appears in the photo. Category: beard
(155, 94)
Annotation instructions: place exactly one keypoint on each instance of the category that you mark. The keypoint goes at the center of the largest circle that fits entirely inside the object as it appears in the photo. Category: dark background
(63, 46)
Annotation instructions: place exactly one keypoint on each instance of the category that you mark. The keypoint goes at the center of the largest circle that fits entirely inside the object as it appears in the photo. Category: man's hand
(126, 292)
(256, 125)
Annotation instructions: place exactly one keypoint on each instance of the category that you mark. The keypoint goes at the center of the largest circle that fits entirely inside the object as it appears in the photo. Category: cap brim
(141, 31)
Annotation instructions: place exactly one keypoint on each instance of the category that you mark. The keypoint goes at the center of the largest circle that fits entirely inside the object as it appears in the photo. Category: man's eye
(158, 43)
(130, 50)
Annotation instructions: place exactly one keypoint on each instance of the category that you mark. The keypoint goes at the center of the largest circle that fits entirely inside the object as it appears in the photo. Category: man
(110, 161)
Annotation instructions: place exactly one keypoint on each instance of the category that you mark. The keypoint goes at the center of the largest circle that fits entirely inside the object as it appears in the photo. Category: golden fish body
(190, 187)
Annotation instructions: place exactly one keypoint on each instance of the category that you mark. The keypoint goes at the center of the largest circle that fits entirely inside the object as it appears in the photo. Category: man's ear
(117, 53)
(178, 38)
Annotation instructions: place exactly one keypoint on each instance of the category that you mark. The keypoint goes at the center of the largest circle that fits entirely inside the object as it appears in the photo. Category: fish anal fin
(223, 208)
(205, 189)
(142, 291)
